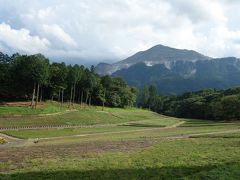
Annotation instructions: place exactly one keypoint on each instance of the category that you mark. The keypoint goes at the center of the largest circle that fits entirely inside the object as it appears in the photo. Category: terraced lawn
(78, 116)
(118, 144)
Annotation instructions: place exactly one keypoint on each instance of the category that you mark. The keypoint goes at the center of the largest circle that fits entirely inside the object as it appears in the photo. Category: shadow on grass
(224, 171)
(225, 136)
(202, 124)
(142, 125)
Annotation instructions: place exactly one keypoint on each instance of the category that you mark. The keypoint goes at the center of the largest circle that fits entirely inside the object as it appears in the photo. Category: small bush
(2, 141)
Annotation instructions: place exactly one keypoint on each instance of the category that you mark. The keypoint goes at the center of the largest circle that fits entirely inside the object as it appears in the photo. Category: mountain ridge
(158, 54)
(175, 71)
(184, 76)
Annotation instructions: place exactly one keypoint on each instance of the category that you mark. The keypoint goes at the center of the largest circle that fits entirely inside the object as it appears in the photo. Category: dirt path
(9, 138)
(149, 129)
(58, 113)
(175, 125)
(118, 132)
(13, 141)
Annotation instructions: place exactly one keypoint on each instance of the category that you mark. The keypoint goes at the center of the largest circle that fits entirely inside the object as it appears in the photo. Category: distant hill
(156, 55)
(175, 71)
(183, 76)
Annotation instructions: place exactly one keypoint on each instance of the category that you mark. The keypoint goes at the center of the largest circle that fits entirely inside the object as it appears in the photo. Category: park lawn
(194, 158)
(85, 117)
(149, 133)
(46, 108)
(45, 133)
(58, 132)
(160, 122)
(136, 148)
(114, 133)
(198, 123)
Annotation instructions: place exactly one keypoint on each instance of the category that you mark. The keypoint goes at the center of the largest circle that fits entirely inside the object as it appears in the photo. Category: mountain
(175, 71)
(156, 55)
(184, 76)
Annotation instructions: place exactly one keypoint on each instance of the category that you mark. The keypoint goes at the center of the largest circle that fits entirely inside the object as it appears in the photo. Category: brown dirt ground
(16, 156)
(20, 104)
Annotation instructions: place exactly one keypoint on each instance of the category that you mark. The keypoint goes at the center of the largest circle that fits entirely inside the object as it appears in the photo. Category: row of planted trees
(33, 78)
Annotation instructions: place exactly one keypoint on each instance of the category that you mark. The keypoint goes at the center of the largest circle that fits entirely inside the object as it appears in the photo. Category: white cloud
(21, 40)
(57, 32)
(115, 29)
(200, 10)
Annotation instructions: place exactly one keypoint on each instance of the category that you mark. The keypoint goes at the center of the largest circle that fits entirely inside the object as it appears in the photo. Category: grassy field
(114, 132)
(9, 117)
(118, 144)
(195, 158)
(23, 110)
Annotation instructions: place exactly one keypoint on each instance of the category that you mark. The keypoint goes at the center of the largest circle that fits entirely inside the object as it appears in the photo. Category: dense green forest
(205, 104)
(33, 78)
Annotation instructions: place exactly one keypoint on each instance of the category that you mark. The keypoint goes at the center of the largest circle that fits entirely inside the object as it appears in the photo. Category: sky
(90, 31)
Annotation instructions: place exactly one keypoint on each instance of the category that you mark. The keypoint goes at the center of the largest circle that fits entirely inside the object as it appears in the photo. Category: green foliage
(2, 141)
(205, 104)
(58, 75)
(40, 69)
(150, 99)
(22, 75)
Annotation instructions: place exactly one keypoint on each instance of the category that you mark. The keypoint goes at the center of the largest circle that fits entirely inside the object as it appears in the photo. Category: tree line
(209, 104)
(34, 78)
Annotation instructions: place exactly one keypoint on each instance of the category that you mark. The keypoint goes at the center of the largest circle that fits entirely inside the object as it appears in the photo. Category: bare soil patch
(17, 155)
(20, 104)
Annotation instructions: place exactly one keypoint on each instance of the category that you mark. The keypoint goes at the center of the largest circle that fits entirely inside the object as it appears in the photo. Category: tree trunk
(86, 98)
(33, 96)
(103, 102)
(59, 94)
(70, 101)
(79, 94)
(41, 95)
(37, 96)
(81, 98)
(89, 102)
(103, 106)
(62, 96)
(74, 91)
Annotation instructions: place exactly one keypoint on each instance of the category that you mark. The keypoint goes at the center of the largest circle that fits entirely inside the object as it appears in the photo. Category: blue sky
(89, 31)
